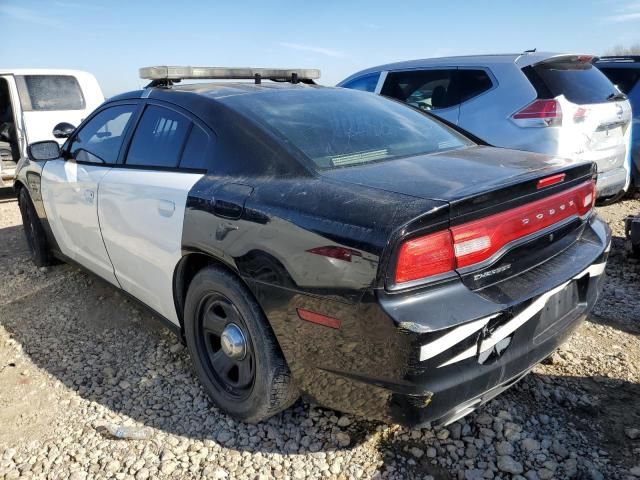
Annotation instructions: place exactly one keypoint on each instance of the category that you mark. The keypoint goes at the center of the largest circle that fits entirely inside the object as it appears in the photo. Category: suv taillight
(477, 241)
(539, 113)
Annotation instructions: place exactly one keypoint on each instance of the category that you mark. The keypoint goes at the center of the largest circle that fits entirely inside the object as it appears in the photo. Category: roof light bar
(177, 73)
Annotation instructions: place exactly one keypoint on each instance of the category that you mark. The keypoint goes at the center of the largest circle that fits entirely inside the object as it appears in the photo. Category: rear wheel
(33, 231)
(233, 350)
(603, 202)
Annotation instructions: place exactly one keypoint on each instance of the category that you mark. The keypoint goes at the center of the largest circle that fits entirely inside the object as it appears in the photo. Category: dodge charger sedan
(322, 242)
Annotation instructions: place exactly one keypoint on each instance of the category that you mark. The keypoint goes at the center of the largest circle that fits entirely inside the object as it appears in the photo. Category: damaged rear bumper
(455, 348)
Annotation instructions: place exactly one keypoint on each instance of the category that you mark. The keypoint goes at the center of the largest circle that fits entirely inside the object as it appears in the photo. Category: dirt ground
(74, 351)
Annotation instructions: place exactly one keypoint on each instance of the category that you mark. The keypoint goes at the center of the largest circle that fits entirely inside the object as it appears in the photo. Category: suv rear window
(50, 92)
(624, 78)
(579, 82)
(341, 127)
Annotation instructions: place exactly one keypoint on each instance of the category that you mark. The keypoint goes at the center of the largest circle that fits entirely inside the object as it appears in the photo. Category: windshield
(340, 127)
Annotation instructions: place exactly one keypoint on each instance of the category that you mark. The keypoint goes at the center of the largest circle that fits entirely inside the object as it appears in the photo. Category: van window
(49, 92)
(624, 78)
(424, 89)
(579, 82)
(366, 83)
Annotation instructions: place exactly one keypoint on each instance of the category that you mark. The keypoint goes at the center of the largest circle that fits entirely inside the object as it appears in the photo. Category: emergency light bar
(176, 73)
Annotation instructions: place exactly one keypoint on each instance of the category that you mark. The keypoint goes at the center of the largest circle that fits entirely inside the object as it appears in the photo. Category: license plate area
(560, 309)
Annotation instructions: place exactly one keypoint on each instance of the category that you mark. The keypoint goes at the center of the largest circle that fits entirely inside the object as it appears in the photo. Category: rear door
(434, 90)
(48, 99)
(70, 187)
(142, 202)
(596, 118)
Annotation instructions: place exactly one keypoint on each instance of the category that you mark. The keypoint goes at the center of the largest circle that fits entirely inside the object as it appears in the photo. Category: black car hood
(451, 175)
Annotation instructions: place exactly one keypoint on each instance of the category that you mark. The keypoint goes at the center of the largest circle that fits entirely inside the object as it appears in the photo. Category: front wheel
(234, 352)
(33, 231)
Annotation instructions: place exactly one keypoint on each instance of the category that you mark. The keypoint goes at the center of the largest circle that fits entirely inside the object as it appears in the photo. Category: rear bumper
(436, 355)
(611, 182)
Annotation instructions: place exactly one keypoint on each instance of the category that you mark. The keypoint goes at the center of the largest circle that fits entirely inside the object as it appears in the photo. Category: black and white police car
(322, 241)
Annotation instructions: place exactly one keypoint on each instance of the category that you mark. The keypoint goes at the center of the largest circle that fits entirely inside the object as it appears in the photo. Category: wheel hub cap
(233, 343)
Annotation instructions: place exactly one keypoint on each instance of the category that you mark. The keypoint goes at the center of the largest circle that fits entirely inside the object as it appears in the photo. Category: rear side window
(159, 138)
(624, 78)
(195, 151)
(366, 83)
(99, 141)
(472, 83)
(424, 89)
(579, 82)
(50, 92)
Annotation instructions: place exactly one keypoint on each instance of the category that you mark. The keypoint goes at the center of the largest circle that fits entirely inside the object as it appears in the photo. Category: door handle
(166, 208)
(88, 196)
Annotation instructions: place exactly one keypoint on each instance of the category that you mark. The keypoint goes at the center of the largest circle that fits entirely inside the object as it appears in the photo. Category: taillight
(475, 242)
(425, 257)
(539, 113)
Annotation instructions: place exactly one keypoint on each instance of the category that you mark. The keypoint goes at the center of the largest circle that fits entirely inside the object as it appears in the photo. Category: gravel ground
(78, 361)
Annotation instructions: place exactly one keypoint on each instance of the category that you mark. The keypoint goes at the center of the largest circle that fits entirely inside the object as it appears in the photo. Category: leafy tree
(621, 50)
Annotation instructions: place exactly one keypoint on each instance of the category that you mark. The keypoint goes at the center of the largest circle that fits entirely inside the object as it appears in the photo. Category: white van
(33, 102)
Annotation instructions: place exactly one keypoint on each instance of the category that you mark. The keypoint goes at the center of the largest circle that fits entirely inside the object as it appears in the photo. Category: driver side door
(70, 186)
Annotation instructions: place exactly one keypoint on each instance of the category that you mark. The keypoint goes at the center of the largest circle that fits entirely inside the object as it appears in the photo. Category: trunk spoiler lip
(536, 59)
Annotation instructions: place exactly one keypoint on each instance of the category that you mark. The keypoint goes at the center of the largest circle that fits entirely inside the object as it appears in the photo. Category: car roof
(520, 59)
(213, 90)
(624, 61)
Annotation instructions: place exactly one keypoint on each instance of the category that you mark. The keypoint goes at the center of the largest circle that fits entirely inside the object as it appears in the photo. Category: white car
(33, 101)
(556, 104)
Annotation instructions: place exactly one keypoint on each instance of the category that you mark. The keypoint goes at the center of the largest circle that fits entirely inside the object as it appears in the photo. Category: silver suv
(542, 102)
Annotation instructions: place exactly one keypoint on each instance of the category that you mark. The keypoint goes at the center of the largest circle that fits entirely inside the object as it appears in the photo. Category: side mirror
(63, 130)
(41, 151)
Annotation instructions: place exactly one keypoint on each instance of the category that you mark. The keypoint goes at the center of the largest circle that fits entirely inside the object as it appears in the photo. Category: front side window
(366, 83)
(159, 138)
(50, 92)
(99, 141)
(423, 89)
(340, 127)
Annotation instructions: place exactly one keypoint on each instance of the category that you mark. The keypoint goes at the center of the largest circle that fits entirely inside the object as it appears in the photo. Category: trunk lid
(479, 183)
(469, 179)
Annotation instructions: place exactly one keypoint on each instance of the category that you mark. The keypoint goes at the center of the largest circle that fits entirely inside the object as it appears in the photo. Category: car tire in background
(605, 201)
(34, 233)
(233, 349)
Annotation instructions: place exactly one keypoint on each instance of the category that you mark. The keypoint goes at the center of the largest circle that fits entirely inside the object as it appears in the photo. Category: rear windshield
(50, 92)
(580, 83)
(340, 127)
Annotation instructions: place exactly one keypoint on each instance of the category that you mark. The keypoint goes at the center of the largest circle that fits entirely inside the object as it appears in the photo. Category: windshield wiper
(616, 96)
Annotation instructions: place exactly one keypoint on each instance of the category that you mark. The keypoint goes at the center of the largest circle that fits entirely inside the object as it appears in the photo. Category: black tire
(33, 231)
(261, 385)
(603, 202)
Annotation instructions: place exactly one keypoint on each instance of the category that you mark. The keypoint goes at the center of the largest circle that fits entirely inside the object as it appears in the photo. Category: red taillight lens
(424, 257)
(540, 113)
(474, 242)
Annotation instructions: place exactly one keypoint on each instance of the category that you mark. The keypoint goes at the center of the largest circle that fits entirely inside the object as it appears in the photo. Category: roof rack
(620, 58)
(166, 76)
